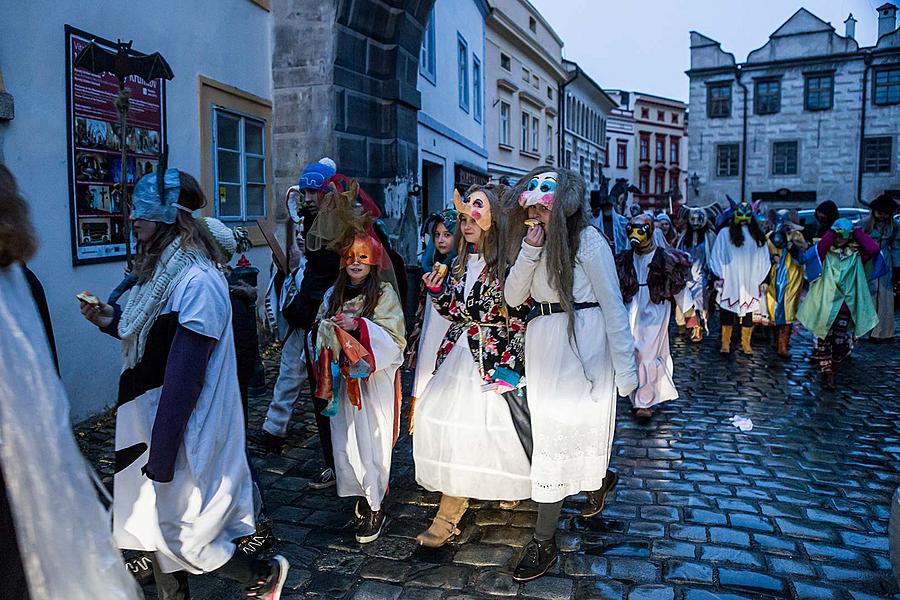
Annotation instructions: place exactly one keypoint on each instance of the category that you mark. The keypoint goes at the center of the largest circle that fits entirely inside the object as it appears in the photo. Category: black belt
(542, 309)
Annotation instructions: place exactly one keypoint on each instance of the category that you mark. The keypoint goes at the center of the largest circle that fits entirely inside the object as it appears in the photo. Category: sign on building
(94, 147)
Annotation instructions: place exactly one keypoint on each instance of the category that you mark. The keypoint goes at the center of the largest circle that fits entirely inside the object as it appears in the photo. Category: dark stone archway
(345, 76)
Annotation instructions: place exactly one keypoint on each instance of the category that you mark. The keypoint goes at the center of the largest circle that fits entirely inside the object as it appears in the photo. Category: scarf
(146, 300)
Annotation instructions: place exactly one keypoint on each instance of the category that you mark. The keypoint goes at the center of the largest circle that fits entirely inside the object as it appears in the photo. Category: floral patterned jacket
(495, 331)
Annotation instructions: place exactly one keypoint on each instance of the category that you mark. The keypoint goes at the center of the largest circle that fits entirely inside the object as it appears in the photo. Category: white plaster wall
(226, 40)
(440, 100)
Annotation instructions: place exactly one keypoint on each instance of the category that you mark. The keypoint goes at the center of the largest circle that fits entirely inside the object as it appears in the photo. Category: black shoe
(325, 480)
(260, 541)
(370, 525)
(539, 557)
(271, 444)
(270, 587)
(596, 500)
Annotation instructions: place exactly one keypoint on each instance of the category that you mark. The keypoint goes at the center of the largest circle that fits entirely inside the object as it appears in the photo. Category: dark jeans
(240, 567)
(729, 318)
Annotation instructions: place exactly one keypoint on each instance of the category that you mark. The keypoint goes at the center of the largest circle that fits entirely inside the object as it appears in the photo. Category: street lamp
(695, 183)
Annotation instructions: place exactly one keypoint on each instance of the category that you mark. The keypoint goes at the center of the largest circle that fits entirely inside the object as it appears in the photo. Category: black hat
(884, 203)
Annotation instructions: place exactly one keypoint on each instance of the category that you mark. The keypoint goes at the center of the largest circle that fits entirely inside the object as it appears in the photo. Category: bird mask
(475, 205)
(541, 190)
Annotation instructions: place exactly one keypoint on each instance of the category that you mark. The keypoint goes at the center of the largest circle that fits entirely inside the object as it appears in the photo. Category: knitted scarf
(146, 300)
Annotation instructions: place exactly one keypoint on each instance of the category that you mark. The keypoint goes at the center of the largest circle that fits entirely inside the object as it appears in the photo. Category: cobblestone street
(796, 508)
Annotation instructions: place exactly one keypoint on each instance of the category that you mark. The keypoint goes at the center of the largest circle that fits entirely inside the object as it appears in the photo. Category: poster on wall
(94, 138)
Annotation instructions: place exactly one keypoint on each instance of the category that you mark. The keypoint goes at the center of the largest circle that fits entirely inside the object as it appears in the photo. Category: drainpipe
(862, 127)
(744, 137)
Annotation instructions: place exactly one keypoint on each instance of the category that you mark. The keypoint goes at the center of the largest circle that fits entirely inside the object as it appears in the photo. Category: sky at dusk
(645, 46)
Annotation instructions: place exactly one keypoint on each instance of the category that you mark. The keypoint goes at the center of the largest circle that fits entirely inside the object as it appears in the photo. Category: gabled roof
(802, 21)
(886, 5)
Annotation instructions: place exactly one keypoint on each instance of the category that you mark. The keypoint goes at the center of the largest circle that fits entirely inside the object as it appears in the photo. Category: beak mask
(541, 190)
(640, 236)
(743, 213)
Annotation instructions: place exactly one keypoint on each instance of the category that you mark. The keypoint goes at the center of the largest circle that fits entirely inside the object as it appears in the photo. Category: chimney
(887, 18)
(850, 27)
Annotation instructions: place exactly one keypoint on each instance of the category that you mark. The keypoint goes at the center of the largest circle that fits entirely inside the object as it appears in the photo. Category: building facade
(217, 122)
(524, 73)
(586, 109)
(810, 116)
(620, 144)
(660, 151)
(451, 129)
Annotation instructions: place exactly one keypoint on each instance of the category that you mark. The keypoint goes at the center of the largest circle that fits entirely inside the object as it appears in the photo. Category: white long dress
(465, 443)
(650, 328)
(363, 439)
(190, 521)
(434, 328)
(572, 385)
(741, 270)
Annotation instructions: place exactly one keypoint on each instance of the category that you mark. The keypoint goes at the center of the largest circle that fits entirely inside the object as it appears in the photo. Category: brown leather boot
(696, 333)
(443, 527)
(784, 337)
(726, 339)
(746, 333)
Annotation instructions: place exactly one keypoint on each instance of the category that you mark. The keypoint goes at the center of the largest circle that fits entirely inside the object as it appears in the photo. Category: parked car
(807, 218)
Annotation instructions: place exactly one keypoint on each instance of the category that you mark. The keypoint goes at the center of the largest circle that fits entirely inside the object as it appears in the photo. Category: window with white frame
(504, 123)
(526, 121)
(427, 59)
(476, 88)
(462, 69)
(239, 165)
(535, 134)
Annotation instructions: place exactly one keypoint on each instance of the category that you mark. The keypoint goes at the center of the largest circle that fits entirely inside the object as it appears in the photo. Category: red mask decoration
(365, 249)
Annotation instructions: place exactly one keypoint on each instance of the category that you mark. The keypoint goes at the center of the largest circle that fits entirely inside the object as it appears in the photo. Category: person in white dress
(182, 484)
(740, 261)
(425, 340)
(359, 348)
(578, 351)
(468, 442)
(652, 277)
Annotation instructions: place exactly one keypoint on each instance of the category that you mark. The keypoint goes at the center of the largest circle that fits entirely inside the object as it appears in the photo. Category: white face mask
(541, 190)
(294, 203)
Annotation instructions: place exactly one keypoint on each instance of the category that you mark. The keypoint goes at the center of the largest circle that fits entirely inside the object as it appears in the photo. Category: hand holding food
(535, 235)
(434, 279)
(95, 310)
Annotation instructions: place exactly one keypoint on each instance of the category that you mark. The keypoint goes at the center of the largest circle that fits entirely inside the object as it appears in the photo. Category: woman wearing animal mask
(578, 351)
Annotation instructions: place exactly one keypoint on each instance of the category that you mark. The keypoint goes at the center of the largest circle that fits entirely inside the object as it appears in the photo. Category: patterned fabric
(495, 332)
(831, 350)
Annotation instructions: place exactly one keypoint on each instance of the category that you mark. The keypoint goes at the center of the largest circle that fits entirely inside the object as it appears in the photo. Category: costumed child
(697, 240)
(360, 337)
(578, 350)
(740, 260)
(838, 304)
(471, 417)
(786, 243)
(182, 484)
(430, 328)
(651, 277)
(882, 227)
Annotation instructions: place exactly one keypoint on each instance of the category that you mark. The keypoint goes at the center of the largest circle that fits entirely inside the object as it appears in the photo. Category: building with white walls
(812, 115)
(524, 72)
(217, 123)
(451, 120)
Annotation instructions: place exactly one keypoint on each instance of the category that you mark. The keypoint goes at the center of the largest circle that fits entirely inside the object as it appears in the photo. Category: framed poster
(94, 147)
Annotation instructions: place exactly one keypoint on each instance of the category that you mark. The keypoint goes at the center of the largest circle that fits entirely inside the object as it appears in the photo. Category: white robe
(650, 328)
(741, 271)
(572, 385)
(363, 439)
(465, 443)
(190, 521)
(434, 327)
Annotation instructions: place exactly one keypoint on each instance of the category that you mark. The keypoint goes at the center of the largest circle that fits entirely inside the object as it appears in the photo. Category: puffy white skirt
(434, 327)
(465, 443)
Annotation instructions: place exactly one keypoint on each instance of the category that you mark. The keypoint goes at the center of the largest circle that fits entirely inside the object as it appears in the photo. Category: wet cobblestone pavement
(796, 508)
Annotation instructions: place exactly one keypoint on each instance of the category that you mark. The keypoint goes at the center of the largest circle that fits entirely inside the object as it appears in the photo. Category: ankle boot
(746, 332)
(696, 333)
(538, 558)
(726, 339)
(784, 337)
(443, 527)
